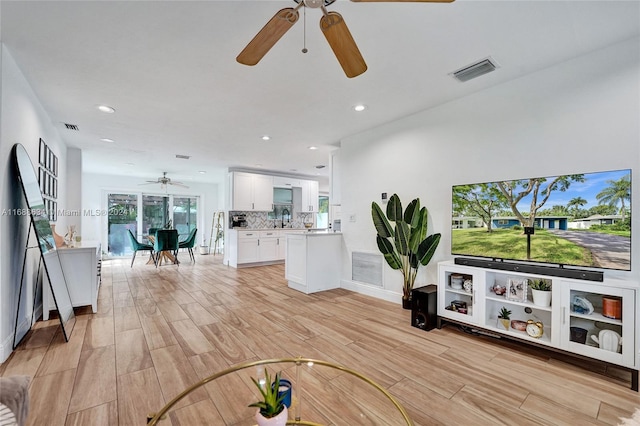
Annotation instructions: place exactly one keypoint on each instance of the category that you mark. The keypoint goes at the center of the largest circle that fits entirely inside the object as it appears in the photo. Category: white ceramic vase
(279, 420)
(541, 298)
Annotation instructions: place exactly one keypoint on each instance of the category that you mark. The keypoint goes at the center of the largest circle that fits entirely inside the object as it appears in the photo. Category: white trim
(6, 348)
(373, 291)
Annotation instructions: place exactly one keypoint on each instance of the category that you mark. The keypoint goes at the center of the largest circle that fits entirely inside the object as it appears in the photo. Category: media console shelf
(575, 305)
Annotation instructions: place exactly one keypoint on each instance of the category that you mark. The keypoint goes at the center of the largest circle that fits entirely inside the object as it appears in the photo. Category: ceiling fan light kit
(332, 25)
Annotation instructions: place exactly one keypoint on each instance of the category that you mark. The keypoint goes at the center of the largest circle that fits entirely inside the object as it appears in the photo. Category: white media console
(477, 305)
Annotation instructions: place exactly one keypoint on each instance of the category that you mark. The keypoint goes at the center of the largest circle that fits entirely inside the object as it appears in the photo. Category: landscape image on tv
(572, 220)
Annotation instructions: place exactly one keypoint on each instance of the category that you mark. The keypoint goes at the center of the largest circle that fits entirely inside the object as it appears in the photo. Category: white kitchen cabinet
(248, 247)
(313, 261)
(481, 304)
(268, 246)
(285, 182)
(251, 192)
(81, 268)
(305, 197)
(254, 247)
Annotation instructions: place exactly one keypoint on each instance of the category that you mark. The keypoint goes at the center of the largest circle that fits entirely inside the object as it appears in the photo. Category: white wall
(94, 197)
(577, 117)
(24, 121)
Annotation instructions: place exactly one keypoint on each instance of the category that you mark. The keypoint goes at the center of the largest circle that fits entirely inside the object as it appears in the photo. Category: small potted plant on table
(271, 409)
(504, 316)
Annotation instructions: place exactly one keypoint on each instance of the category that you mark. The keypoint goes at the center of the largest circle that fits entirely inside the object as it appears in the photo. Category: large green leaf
(394, 208)
(419, 231)
(386, 248)
(402, 237)
(410, 214)
(383, 227)
(427, 248)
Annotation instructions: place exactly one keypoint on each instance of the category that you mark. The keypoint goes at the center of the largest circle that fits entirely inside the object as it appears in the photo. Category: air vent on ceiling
(475, 70)
(183, 157)
(71, 126)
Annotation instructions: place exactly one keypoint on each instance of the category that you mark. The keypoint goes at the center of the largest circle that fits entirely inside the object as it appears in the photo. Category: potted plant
(271, 409)
(504, 316)
(405, 245)
(540, 291)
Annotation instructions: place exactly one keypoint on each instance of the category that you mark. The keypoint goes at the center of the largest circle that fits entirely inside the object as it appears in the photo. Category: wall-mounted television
(576, 220)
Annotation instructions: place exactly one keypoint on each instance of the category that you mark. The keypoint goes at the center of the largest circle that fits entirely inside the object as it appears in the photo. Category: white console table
(81, 267)
(482, 305)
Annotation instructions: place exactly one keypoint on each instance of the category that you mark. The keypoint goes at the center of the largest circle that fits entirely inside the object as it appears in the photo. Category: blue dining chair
(137, 246)
(166, 241)
(189, 243)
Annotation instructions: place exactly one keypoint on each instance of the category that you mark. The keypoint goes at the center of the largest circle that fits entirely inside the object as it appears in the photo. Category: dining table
(165, 255)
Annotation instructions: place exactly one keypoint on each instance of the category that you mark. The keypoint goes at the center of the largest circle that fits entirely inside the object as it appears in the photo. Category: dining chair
(189, 243)
(166, 243)
(137, 246)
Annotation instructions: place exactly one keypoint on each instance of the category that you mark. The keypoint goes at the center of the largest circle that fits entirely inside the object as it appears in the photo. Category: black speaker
(424, 307)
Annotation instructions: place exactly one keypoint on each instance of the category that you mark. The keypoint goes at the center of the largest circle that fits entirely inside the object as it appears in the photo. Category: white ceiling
(169, 70)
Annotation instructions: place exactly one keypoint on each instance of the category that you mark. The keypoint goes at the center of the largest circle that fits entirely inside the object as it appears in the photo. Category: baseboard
(377, 292)
(6, 347)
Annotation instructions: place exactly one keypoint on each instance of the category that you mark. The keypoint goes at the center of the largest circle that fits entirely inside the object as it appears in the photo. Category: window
(322, 217)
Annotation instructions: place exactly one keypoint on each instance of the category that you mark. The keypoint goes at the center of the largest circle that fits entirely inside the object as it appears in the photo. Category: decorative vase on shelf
(541, 297)
(59, 239)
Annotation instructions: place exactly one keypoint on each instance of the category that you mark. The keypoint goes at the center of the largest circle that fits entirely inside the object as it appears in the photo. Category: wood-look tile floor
(159, 330)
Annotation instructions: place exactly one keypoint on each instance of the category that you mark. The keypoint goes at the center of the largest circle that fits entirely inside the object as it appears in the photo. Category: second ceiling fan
(332, 25)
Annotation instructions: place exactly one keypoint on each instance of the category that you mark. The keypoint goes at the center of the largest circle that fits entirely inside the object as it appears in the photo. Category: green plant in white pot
(405, 244)
(540, 291)
(271, 408)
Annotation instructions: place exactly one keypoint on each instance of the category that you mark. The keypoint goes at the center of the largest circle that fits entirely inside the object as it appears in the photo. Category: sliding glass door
(155, 212)
(185, 215)
(122, 215)
(139, 212)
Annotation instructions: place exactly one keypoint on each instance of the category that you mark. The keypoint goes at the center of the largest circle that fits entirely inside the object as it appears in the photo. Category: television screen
(570, 220)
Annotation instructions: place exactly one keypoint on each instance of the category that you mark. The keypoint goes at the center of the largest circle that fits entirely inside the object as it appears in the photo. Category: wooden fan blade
(268, 36)
(344, 47)
(400, 1)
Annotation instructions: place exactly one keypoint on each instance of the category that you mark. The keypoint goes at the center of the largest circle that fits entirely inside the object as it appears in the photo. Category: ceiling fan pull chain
(304, 30)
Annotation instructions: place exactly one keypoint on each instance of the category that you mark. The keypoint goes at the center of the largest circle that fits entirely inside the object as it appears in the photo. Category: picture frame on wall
(516, 290)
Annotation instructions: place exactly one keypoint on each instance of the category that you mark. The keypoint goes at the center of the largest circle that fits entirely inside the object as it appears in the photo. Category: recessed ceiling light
(202, 172)
(106, 108)
(107, 140)
(266, 138)
(130, 164)
(360, 107)
(258, 165)
(313, 147)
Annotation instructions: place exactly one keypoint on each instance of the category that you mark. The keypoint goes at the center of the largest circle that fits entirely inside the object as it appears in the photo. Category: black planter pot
(406, 303)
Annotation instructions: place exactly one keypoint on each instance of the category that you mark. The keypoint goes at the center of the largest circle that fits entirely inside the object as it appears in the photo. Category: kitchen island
(313, 261)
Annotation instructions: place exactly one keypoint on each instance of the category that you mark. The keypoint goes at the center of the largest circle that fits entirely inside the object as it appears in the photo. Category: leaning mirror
(44, 235)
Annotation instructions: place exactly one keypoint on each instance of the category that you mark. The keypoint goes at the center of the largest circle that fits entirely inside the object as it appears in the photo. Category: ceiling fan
(163, 181)
(332, 25)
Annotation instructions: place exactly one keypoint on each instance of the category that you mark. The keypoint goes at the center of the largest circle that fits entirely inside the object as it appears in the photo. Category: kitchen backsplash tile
(259, 220)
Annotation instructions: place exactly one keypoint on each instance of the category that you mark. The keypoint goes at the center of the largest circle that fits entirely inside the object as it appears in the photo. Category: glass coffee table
(323, 393)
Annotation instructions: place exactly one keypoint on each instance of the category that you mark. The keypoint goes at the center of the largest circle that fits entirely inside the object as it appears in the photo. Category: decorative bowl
(499, 289)
(308, 225)
(519, 325)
